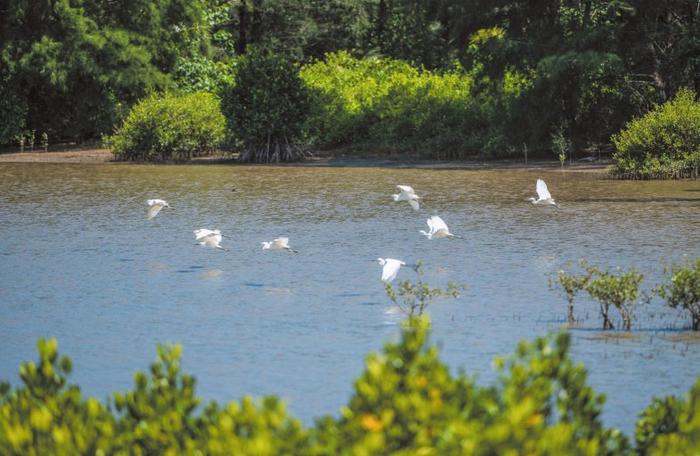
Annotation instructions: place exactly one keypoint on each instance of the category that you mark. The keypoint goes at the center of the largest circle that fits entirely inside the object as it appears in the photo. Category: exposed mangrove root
(275, 150)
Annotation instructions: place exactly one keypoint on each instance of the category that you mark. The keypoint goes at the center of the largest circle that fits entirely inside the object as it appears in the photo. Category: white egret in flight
(438, 229)
(154, 206)
(281, 243)
(390, 269)
(406, 193)
(209, 238)
(543, 195)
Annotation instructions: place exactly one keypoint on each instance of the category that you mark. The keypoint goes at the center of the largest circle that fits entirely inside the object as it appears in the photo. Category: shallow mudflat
(81, 262)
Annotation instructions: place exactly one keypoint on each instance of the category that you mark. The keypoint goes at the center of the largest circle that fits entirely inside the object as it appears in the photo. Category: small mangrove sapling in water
(415, 297)
(620, 290)
(572, 284)
(683, 290)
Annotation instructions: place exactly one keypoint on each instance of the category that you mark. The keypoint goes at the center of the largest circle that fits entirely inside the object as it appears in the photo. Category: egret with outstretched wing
(543, 195)
(390, 268)
(438, 229)
(406, 193)
(281, 243)
(209, 238)
(154, 206)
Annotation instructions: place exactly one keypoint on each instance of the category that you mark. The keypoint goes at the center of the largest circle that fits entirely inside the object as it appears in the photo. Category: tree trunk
(242, 41)
(382, 15)
(570, 317)
(607, 324)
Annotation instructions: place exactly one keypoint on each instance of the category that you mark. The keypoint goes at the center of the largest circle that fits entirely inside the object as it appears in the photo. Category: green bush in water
(619, 290)
(684, 290)
(266, 108)
(381, 104)
(665, 143)
(170, 127)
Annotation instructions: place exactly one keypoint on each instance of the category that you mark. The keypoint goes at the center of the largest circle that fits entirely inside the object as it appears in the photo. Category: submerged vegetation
(406, 400)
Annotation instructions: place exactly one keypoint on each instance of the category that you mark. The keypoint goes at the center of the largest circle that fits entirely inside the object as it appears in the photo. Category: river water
(80, 261)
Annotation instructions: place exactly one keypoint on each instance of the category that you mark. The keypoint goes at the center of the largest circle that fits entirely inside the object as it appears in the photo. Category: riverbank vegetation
(406, 400)
(170, 127)
(440, 78)
(665, 143)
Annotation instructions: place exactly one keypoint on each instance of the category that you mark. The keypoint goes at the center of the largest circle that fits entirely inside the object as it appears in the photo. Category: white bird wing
(405, 189)
(542, 191)
(153, 210)
(201, 233)
(281, 242)
(430, 225)
(391, 269)
(414, 204)
(438, 224)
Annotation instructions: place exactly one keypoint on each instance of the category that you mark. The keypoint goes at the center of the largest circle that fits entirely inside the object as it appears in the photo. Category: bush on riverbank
(170, 127)
(387, 105)
(665, 143)
(405, 401)
(266, 108)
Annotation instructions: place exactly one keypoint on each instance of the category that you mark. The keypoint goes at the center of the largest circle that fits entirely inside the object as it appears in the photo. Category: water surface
(79, 261)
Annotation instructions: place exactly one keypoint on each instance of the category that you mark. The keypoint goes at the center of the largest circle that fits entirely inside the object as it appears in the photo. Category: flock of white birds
(437, 228)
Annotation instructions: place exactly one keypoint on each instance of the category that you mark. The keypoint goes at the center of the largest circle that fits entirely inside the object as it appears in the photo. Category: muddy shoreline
(104, 156)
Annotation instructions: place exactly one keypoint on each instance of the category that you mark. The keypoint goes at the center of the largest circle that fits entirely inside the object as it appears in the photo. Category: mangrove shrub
(266, 108)
(406, 400)
(413, 298)
(683, 290)
(619, 290)
(170, 127)
(572, 284)
(381, 104)
(671, 425)
(663, 143)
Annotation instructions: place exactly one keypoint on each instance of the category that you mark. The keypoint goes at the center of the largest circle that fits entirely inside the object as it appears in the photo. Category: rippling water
(79, 261)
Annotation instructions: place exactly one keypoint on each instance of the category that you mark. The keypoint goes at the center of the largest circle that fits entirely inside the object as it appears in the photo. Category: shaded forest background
(521, 71)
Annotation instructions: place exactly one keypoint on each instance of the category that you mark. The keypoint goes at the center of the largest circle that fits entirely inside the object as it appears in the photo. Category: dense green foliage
(684, 290)
(389, 105)
(71, 68)
(405, 402)
(266, 108)
(663, 143)
(170, 127)
(442, 78)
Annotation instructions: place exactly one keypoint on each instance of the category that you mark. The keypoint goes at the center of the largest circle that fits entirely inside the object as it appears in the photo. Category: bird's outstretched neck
(428, 235)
